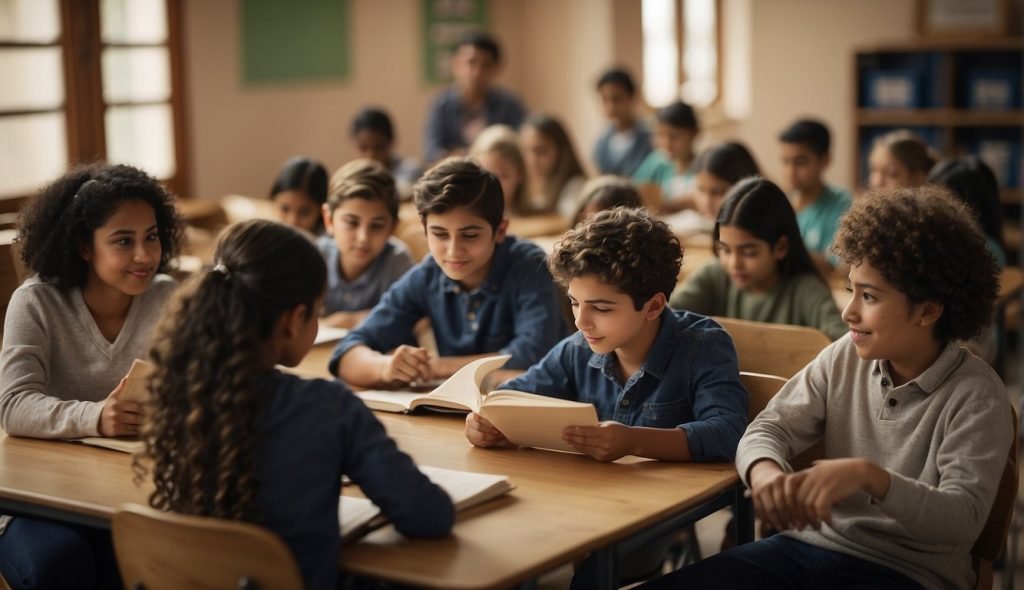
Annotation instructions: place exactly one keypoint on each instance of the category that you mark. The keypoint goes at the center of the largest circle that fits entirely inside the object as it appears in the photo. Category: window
(87, 80)
(681, 51)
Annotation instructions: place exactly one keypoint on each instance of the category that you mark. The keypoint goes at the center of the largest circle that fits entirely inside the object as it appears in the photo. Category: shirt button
(474, 326)
(885, 382)
(625, 402)
(471, 316)
(893, 402)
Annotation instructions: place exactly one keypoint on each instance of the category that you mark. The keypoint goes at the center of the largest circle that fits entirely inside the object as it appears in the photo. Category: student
(232, 437)
(715, 171)
(497, 150)
(669, 166)
(555, 173)
(625, 143)
(97, 241)
(806, 154)
(299, 192)
(473, 102)
(603, 193)
(363, 258)
(973, 182)
(916, 430)
(899, 159)
(484, 292)
(764, 273)
(374, 138)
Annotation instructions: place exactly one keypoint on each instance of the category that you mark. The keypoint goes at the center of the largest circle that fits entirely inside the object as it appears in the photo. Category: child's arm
(609, 441)
(538, 319)
(364, 367)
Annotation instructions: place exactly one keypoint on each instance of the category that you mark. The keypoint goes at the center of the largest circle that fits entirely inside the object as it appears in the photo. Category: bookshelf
(963, 96)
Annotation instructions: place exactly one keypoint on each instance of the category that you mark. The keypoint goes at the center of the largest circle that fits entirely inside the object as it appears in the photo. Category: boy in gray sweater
(916, 429)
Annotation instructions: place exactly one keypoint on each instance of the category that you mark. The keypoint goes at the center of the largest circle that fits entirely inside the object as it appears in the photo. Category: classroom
(483, 294)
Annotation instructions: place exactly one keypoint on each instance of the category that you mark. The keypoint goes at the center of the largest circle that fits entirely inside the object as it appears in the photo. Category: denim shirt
(365, 290)
(444, 121)
(690, 380)
(514, 311)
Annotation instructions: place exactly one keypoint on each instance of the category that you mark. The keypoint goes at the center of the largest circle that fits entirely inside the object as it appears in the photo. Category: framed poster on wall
(294, 41)
(444, 23)
(957, 18)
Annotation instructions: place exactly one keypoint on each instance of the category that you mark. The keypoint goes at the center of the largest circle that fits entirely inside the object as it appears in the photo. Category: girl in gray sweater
(96, 240)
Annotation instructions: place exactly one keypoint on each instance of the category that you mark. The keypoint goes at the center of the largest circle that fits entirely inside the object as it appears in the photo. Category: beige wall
(793, 54)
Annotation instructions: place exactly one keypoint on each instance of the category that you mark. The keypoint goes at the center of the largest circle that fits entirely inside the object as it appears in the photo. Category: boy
(805, 156)
(667, 170)
(484, 292)
(472, 102)
(666, 383)
(626, 142)
(916, 429)
(363, 258)
(374, 137)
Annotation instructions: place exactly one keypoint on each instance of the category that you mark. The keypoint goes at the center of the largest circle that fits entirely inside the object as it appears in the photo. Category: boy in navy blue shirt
(485, 293)
(665, 383)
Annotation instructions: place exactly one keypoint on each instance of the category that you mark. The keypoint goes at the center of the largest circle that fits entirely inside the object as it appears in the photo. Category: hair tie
(81, 188)
(222, 270)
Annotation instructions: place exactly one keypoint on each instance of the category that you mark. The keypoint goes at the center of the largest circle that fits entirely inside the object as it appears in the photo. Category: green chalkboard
(444, 24)
(300, 40)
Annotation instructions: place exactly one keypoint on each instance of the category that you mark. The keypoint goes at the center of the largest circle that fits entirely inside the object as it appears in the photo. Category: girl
(374, 138)
(899, 159)
(229, 436)
(764, 272)
(669, 167)
(973, 182)
(715, 171)
(556, 175)
(497, 149)
(299, 192)
(603, 193)
(96, 240)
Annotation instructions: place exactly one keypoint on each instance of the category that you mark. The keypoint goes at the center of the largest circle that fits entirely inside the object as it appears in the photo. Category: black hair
(620, 77)
(760, 208)
(678, 114)
(460, 182)
(973, 182)
(302, 174)
(482, 41)
(731, 161)
(810, 133)
(60, 220)
(374, 120)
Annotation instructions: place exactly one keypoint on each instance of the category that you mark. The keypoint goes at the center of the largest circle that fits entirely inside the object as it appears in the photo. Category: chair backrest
(989, 544)
(773, 349)
(157, 550)
(761, 388)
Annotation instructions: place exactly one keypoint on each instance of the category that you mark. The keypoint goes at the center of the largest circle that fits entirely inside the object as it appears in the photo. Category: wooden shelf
(939, 117)
(959, 44)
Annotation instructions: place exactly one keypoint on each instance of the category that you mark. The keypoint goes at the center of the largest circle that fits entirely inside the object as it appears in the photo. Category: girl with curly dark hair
(96, 240)
(229, 436)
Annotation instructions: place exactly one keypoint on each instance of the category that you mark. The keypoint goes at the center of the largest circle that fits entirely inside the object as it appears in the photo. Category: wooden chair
(762, 388)
(161, 550)
(773, 349)
(992, 540)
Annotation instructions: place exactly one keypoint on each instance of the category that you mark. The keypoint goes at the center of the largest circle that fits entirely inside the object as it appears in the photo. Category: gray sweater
(943, 437)
(56, 368)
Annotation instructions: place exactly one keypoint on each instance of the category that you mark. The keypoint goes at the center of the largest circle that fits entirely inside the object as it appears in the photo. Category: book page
(355, 516)
(463, 388)
(388, 401)
(124, 445)
(325, 334)
(530, 422)
(136, 386)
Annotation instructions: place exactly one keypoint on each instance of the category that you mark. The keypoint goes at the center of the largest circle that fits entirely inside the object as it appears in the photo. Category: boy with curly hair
(665, 383)
(916, 429)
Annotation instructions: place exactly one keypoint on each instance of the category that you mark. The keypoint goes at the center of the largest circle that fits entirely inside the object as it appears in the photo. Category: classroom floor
(711, 530)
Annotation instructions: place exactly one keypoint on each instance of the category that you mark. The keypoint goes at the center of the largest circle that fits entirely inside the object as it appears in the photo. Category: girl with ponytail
(229, 436)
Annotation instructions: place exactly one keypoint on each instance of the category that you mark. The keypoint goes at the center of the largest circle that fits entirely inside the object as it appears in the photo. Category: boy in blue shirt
(805, 152)
(485, 293)
(665, 383)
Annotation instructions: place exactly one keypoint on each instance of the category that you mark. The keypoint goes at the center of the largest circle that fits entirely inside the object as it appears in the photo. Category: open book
(358, 516)
(325, 334)
(526, 419)
(136, 389)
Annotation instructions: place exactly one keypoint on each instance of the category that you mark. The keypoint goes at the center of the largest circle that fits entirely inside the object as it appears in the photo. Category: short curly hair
(61, 219)
(626, 248)
(907, 234)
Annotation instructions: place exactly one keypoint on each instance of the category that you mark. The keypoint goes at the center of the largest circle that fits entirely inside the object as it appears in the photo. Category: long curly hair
(626, 248)
(927, 245)
(60, 220)
(203, 417)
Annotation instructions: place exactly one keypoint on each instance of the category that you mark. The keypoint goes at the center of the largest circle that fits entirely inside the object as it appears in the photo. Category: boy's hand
(829, 481)
(482, 433)
(607, 441)
(406, 364)
(774, 493)
(120, 417)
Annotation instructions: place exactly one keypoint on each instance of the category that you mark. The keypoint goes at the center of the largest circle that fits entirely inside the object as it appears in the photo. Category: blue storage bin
(1003, 156)
(893, 89)
(992, 89)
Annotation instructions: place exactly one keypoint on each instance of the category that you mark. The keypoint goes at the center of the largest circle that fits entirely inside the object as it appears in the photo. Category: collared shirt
(819, 222)
(690, 380)
(365, 291)
(942, 436)
(447, 116)
(515, 311)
